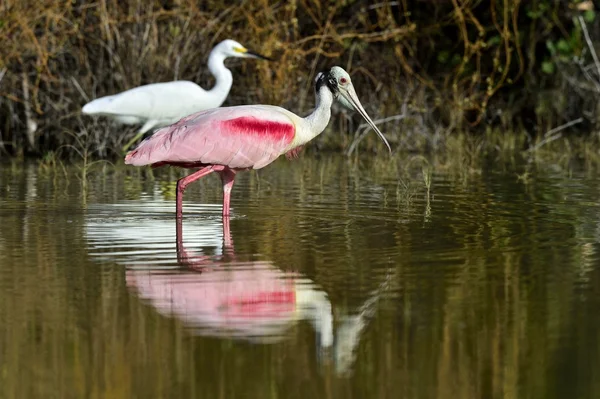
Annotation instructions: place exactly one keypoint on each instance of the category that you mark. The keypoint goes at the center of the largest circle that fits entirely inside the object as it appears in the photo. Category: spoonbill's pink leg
(227, 241)
(181, 253)
(183, 183)
(227, 177)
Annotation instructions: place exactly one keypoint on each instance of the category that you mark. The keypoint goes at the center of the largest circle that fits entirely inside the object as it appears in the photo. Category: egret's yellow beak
(244, 52)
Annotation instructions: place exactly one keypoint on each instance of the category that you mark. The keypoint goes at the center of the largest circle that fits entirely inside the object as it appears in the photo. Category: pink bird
(230, 139)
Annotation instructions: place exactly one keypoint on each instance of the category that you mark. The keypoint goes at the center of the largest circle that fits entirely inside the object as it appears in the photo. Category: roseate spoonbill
(230, 139)
(161, 104)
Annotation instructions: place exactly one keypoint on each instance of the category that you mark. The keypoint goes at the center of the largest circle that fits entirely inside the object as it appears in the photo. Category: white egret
(161, 104)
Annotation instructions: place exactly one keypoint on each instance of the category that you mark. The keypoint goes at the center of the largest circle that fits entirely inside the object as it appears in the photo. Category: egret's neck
(317, 121)
(223, 76)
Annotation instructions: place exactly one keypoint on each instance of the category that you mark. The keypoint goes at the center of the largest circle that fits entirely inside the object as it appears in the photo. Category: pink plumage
(248, 300)
(237, 137)
(222, 140)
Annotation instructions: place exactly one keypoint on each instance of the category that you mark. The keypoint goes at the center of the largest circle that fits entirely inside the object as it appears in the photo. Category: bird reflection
(216, 292)
(351, 327)
(228, 297)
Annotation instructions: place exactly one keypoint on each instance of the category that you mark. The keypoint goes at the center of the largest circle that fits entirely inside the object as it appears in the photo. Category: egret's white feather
(161, 104)
(164, 102)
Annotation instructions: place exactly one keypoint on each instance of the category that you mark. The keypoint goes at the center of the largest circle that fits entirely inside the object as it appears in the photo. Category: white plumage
(161, 104)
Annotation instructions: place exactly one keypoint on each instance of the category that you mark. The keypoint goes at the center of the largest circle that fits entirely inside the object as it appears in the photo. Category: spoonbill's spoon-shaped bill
(343, 89)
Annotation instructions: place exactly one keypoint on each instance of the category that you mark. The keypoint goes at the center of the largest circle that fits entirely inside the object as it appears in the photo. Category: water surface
(332, 278)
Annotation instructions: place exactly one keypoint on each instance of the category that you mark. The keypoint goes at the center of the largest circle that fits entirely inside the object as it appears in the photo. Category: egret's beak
(350, 96)
(252, 54)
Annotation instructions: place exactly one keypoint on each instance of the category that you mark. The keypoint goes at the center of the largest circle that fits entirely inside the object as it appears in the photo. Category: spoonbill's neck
(316, 307)
(223, 76)
(317, 121)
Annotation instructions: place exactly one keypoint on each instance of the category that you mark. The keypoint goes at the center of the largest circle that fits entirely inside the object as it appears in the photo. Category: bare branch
(366, 126)
(30, 122)
(588, 40)
(562, 127)
(2, 73)
(549, 134)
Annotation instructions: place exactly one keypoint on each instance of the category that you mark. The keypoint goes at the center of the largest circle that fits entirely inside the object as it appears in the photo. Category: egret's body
(227, 140)
(160, 104)
(153, 105)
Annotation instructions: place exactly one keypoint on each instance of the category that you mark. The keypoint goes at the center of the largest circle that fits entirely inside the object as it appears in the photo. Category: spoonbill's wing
(249, 136)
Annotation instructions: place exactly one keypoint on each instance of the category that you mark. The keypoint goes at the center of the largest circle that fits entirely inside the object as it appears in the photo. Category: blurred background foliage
(425, 69)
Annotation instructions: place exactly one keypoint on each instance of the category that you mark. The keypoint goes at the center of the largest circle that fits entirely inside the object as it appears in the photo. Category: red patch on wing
(263, 128)
(262, 304)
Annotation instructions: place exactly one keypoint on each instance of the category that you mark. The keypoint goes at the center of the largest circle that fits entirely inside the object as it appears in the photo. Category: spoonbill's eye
(343, 81)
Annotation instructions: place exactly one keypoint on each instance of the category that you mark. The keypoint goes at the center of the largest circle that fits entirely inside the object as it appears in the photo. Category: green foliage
(589, 16)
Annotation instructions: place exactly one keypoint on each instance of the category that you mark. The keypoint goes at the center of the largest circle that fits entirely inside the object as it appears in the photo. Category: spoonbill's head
(338, 82)
(231, 48)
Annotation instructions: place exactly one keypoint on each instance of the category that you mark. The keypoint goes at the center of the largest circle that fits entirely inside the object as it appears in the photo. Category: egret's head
(338, 82)
(231, 48)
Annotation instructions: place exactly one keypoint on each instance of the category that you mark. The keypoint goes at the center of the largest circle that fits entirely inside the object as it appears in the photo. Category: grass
(463, 157)
(425, 70)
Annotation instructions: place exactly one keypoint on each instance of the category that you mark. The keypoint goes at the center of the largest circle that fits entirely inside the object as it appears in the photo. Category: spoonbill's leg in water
(182, 255)
(183, 183)
(227, 178)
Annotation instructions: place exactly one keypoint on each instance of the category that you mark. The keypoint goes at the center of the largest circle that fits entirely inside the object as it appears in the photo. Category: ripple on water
(394, 280)
(144, 232)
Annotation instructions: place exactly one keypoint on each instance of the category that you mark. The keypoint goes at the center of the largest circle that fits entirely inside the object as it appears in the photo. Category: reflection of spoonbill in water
(160, 104)
(351, 327)
(231, 139)
(216, 292)
(223, 296)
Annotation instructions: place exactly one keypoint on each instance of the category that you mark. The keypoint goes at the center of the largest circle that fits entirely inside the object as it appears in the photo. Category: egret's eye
(343, 81)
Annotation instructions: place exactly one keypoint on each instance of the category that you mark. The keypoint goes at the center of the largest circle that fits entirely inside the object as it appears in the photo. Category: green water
(343, 279)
